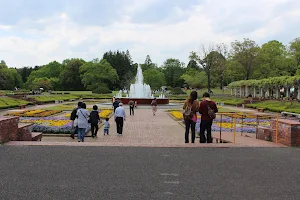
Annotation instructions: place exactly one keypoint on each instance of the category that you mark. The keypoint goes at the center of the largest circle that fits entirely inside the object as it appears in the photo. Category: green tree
(295, 50)
(173, 69)
(154, 78)
(272, 61)
(44, 83)
(51, 70)
(208, 59)
(69, 78)
(97, 74)
(245, 53)
(148, 64)
(122, 62)
(9, 77)
(195, 78)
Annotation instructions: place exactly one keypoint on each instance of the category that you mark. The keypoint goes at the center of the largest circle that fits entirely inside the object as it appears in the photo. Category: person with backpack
(190, 107)
(74, 119)
(208, 110)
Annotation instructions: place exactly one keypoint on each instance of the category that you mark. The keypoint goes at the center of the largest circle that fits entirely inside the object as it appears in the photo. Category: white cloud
(57, 37)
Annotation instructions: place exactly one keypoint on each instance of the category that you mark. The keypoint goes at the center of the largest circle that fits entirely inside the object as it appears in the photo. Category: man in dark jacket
(206, 120)
(116, 104)
(73, 117)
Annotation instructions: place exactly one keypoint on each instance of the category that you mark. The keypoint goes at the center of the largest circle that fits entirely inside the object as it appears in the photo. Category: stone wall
(8, 128)
(288, 132)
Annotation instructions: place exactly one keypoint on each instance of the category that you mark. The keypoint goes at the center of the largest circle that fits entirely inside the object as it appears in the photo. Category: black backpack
(73, 114)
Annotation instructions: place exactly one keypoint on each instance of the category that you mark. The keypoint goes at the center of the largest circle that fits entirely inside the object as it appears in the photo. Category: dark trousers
(190, 124)
(115, 109)
(205, 125)
(75, 131)
(131, 110)
(94, 129)
(120, 122)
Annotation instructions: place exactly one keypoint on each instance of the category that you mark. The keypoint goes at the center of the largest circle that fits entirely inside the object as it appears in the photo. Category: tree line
(215, 65)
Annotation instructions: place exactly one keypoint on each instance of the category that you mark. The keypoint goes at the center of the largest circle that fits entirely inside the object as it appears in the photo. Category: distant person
(106, 126)
(135, 104)
(208, 110)
(120, 116)
(131, 107)
(190, 107)
(115, 104)
(154, 106)
(94, 120)
(74, 119)
(82, 115)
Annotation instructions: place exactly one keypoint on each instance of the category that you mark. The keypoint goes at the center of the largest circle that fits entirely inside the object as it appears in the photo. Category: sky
(36, 32)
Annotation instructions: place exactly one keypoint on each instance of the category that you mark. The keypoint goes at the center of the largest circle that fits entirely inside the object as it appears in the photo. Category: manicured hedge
(7, 102)
(277, 106)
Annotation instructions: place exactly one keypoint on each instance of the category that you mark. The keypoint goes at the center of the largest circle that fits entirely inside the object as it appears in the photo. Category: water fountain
(141, 92)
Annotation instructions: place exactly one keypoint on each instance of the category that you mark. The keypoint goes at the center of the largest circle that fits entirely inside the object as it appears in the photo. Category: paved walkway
(145, 130)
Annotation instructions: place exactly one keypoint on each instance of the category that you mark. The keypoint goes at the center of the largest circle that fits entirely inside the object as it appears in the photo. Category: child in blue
(106, 126)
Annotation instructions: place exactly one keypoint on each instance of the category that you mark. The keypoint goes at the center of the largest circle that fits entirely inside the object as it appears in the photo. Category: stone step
(36, 136)
(24, 132)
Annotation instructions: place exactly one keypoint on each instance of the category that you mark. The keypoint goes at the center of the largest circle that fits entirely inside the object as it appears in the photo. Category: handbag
(194, 118)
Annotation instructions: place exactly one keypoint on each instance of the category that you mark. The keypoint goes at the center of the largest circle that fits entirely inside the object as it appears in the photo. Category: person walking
(120, 117)
(115, 104)
(82, 115)
(94, 120)
(190, 107)
(131, 107)
(154, 106)
(106, 126)
(208, 110)
(74, 119)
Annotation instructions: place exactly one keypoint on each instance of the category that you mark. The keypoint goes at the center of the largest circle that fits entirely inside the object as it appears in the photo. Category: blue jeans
(81, 134)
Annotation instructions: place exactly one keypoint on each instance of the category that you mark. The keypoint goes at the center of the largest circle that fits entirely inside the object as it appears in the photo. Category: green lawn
(7, 102)
(277, 106)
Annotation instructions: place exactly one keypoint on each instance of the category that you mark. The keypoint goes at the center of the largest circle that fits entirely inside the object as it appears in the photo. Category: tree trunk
(221, 82)
(208, 82)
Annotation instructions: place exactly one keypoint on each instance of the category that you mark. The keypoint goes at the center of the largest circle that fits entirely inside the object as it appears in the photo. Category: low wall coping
(289, 122)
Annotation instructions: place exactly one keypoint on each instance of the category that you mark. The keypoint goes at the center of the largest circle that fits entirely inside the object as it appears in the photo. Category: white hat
(120, 104)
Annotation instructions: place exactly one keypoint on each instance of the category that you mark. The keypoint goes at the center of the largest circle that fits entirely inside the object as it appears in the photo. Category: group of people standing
(82, 119)
(207, 109)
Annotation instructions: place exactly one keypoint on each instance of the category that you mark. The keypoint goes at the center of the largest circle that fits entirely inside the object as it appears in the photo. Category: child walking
(106, 126)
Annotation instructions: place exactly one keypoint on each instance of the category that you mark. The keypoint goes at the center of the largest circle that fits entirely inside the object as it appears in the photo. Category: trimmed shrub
(102, 90)
(177, 91)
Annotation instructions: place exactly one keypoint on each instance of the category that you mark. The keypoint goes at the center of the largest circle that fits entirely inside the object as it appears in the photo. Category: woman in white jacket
(82, 117)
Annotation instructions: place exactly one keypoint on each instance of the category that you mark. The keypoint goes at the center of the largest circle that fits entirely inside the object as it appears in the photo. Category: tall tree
(220, 63)
(245, 52)
(154, 78)
(98, 76)
(51, 70)
(122, 62)
(295, 50)
(173, 69)
(207, 59)
(195, 78)
(148, 64)
(272, 60)
(70, 76)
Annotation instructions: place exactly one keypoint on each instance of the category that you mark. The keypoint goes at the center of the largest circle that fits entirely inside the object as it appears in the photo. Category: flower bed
(247, 124)
(35, 113)
(105, 113)
(49, 124)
